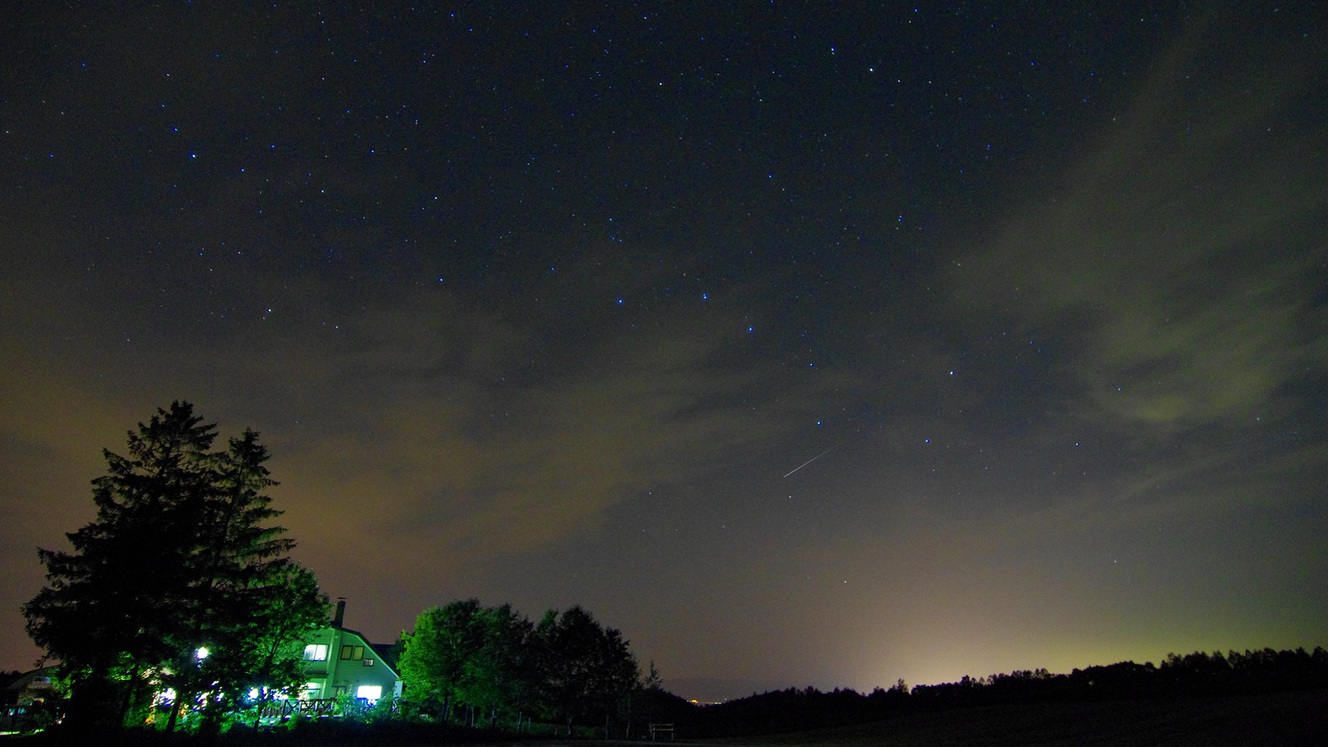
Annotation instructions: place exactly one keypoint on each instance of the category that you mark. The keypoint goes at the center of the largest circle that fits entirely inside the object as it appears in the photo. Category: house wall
(336, 676)
(31, 686)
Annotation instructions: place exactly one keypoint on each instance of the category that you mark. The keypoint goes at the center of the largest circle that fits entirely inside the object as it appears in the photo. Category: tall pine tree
(180, 561)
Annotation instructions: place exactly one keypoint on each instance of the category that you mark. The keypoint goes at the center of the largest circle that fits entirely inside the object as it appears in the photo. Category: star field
(806, 345)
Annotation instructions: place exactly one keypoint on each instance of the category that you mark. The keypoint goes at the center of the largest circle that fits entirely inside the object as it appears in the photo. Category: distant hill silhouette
(1292, 719)
(1178, 678)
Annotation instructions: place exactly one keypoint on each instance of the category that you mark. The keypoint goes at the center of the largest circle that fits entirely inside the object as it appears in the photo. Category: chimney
(341, 612)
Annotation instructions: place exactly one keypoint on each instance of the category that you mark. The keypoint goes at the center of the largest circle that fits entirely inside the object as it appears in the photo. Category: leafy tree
(7, 676)
(496, 673)
(494, 663)
(588, 669)
(179, 559)
(263, 652)
(645, 693)
(433, 662)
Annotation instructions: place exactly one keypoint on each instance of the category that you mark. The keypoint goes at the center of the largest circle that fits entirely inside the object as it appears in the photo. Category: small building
(30, 687)
(25, 708)
(340, 661)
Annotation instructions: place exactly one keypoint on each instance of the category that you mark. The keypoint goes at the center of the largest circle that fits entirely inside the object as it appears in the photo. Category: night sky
(807, 345)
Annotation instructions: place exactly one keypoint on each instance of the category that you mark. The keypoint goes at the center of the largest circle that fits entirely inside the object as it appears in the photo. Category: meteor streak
(809, 461)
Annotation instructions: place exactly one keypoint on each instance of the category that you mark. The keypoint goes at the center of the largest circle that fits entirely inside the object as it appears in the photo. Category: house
(340, 661)
(30, 687)
(23, 710)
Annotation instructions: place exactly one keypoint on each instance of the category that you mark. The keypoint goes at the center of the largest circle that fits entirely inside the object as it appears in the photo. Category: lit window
(352, 652)
(369, 692)
(368, 662)
(315, 652)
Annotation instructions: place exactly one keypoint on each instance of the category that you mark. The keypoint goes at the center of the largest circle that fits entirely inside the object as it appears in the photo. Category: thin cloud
(1165, 253)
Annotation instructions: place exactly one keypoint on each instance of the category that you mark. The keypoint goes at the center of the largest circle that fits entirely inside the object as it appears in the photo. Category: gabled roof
(386, 651)
(22, 681)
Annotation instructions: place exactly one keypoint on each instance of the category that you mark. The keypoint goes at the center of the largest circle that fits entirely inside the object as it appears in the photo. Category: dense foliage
(491, 666)
(179, 598)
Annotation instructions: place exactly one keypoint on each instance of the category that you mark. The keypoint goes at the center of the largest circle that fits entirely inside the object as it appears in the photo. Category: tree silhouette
(179, 582)
(498, 673)
(587, 668)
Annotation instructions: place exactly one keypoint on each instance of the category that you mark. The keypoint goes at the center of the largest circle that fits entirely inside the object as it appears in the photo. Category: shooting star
(809, 461)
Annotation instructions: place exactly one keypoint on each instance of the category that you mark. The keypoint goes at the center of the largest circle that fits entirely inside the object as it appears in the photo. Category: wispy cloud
(470, 441)
(1181, 254)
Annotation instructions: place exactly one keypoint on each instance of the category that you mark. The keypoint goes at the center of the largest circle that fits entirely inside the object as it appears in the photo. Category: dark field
(1284, 719)
(1287, 719)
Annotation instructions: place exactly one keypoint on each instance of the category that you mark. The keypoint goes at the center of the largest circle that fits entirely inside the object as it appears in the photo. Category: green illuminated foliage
(436, 653)
(490, 665)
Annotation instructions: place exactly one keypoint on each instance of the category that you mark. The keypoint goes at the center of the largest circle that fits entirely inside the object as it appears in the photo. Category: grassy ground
(1286, 720)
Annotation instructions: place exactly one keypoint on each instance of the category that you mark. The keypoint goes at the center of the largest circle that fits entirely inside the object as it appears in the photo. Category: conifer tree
(179, 582)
